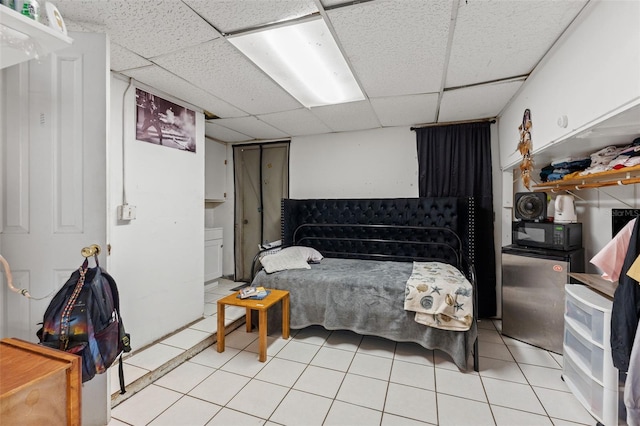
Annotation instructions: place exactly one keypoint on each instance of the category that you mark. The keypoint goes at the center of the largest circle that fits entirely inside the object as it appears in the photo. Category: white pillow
(283, 260)
(311, 254)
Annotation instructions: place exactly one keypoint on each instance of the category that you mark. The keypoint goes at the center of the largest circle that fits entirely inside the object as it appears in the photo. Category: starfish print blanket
(440, 295)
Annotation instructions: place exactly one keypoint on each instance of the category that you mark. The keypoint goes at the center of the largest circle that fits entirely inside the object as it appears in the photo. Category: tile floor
(320, 377)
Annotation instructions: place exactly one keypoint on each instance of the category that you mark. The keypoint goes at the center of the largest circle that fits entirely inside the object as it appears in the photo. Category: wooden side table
(39, 385)
(261, 306)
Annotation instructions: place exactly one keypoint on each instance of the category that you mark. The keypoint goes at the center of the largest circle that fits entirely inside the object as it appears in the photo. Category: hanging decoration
(524, 147)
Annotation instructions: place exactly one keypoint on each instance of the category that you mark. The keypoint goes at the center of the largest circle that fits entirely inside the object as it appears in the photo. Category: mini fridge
(533, 283)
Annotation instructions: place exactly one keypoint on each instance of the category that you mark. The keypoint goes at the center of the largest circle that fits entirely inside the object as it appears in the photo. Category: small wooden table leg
(220, 327)
(262, 331)
(285, 317)
(247, 318)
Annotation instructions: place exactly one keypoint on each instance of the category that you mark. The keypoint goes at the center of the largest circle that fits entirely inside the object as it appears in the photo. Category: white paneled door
(53, 165)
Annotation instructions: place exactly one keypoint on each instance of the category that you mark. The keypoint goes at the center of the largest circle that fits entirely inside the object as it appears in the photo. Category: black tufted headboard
(339, 226)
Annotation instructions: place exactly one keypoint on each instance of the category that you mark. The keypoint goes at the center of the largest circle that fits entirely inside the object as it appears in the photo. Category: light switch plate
(126, 212)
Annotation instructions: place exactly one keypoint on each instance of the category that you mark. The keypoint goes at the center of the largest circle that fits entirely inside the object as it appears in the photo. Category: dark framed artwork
(163, 122)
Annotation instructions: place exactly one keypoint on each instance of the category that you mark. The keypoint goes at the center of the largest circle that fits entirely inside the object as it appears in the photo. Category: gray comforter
(364, 296)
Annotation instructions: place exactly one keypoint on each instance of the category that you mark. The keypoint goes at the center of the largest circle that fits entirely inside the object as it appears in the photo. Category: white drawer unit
(212, 253)
(588, 367)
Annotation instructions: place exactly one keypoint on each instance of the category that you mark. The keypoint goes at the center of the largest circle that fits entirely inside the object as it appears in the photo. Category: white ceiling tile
(161, 79)
(221, 133)
(502, 39)
(222, 70)
(396, 47)
(123, 59)
(146, 28)
(253, 127)
(347, 117)
(298, 122)
(232, 15)
(482, 101)
(406, 110)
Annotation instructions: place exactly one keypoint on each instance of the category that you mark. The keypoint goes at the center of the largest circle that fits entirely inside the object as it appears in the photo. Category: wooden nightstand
(261, 306)
(39, 385)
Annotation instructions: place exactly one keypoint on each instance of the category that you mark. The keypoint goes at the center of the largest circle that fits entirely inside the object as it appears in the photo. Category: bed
(369, 248)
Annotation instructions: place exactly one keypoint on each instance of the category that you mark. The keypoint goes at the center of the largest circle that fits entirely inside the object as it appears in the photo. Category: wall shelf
(22, 38)
(626, 176)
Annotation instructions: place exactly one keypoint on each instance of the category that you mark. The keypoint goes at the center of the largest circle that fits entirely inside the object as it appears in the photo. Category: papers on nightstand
(256, 293)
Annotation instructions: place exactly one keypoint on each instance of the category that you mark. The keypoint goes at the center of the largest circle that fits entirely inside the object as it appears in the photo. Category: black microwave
(548, 235)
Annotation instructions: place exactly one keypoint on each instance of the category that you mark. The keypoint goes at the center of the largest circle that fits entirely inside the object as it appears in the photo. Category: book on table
(255, 293)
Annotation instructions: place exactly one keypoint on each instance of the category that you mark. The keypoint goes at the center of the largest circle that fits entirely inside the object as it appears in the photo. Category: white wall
(158, 258)
(366, 164)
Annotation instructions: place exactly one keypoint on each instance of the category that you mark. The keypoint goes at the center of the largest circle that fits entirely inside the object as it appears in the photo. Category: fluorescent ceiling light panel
(305, 60)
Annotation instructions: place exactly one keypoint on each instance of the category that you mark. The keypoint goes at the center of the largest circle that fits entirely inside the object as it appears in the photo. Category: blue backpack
(83, 318)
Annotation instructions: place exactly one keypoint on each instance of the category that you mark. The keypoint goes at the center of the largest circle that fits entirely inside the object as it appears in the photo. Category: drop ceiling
(417, 61)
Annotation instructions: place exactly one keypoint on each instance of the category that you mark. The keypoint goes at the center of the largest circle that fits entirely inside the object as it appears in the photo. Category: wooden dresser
(38, 385)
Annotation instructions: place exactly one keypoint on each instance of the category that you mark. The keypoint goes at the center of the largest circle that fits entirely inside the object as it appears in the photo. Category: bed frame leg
(476, 357)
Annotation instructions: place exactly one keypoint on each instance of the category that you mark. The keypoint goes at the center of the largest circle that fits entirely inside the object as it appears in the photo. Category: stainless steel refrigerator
(533, 283)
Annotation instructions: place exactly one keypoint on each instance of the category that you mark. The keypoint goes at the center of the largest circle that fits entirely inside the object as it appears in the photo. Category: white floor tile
(544, 377)
(314, 335)
(211, 296)
(226, 417)
(512, 395)
(187, 338)
(497, 323)
(245, 363)
(503, 370)
(459, 384)
(281, 372)
(344, 339)
(274, 345)
(412, 352)
(210, 309)
(534, 356)
(375, 367)
(563, 405)
(208, 324)
(560, 422)
(299, 352)
(418, 404)
(514, 342)
(220, 387)
(232, 313)
(494, 350)
(363, 391)
(154, 356)
(131, 374)
(239, 338)
(320, 381)
(153, 398)
(557, 357)
(258, 398)
(486, 324)
(212, 358)
(336, 359)
(488, 335)
(343, 414)
(416, 375)
(185, 377)
(509, 417)
(453, 411)
(187, 411)
(393, 420)
(301, 408)
(377, 346)
(116, 422)
(443, 360)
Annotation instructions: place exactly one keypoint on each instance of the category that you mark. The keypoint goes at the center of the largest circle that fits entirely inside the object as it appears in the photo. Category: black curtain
(455, 161)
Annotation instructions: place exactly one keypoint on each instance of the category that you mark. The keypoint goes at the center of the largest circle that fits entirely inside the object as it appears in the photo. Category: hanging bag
(83, 318)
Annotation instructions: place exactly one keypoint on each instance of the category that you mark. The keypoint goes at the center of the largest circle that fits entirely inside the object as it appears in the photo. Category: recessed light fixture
(304, 59)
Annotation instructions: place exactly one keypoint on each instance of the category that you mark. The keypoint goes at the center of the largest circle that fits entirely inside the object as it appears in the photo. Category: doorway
(261, 181)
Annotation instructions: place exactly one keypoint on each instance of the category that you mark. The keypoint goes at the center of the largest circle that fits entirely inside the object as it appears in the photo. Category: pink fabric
(610, 259)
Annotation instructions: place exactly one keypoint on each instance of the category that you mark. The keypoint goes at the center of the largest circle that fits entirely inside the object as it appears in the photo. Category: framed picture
(162, 122)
